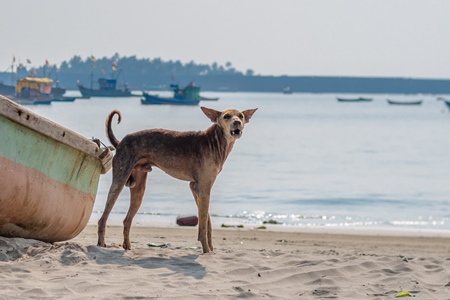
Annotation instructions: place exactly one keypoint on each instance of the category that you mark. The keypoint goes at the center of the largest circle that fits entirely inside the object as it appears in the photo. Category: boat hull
(6, 89)
(209, 99)
(393, 102)
(354, 99)
(48, 176)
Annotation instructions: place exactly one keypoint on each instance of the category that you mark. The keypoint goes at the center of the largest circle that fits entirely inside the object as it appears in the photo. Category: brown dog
(197, 157)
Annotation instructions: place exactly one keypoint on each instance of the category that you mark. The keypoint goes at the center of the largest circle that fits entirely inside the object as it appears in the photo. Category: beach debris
(261, 227)
(187, 220)
(272, 222)
(159, 245)
(403, 294)
(232, 226)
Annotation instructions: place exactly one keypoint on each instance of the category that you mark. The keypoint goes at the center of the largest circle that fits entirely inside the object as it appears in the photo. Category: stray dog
(197, 157)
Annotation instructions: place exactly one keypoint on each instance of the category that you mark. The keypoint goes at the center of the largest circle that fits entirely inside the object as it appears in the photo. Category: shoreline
(237, 239)
(344, 230)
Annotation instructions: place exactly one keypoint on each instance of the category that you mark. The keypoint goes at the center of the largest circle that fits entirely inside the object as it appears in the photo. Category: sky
(371, 38)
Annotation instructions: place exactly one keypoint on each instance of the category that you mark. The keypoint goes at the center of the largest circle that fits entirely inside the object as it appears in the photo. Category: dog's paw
(126, 245)
(103, 245)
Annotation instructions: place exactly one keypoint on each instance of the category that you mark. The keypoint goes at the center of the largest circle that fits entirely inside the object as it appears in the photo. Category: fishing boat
(107, 88)
(396, 102)
(188, 95)
(33, 90)
(202, 98)
(63, 99)
(155, 99)
(48, 176)
(58, 92)
(359, 99)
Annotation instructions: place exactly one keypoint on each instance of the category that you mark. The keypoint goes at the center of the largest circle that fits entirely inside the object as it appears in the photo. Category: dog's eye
(226, 117)
(241, 116)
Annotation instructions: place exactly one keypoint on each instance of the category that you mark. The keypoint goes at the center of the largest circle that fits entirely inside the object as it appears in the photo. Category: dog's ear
(212, 114)
(248, 114)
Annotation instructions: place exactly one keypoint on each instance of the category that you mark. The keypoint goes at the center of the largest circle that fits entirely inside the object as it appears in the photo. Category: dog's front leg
(201, 193)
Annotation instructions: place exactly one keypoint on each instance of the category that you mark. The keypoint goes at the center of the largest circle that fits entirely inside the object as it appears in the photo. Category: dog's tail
(114, 141)
(109, 133)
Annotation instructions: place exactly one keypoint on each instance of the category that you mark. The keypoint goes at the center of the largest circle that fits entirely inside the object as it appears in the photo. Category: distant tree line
(139, 67)
(149, 74)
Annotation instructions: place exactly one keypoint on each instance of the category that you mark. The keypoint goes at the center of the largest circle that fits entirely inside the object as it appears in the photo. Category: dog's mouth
(236, 132)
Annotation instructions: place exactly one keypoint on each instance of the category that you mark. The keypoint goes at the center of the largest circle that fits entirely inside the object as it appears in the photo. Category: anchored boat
(48, 176)
(403, 102)
(188, 95)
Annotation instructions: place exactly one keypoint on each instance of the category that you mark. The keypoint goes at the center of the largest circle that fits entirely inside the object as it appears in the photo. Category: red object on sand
(188, 220)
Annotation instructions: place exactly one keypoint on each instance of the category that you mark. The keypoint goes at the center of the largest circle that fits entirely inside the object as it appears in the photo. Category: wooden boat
(394, 102)
(33, 90)
(360, 99)
(48, 176)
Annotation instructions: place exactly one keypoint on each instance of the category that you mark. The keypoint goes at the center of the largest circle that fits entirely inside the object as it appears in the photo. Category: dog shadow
(143, 258)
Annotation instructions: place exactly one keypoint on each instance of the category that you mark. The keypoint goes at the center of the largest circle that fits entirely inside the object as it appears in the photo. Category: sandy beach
(168, 263)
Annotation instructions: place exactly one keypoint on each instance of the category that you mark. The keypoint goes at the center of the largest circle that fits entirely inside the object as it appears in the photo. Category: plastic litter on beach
(159, 245)
(272, 222)
(187, 220)
(231, 226)
(403, 294)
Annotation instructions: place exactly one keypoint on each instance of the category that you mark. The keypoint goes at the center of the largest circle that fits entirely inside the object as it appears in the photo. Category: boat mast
(12, 71)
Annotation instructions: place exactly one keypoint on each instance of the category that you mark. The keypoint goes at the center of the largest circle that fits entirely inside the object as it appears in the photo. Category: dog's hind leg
(136, 195)
(117, 185)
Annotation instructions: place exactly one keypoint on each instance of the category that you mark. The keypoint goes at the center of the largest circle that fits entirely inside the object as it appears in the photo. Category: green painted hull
(48, 176)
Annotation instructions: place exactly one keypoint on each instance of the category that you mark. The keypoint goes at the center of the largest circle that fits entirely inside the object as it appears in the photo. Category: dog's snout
(236, 123)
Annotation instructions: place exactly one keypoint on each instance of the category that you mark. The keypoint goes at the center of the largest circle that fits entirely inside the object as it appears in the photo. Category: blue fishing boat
(107, 88)
(188, 95)
(155, 99)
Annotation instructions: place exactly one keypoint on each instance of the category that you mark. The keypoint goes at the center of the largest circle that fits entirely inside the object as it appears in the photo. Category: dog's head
(231, 120)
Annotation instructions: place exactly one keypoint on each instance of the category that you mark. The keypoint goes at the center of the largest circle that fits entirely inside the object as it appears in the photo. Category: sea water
(303, 160)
